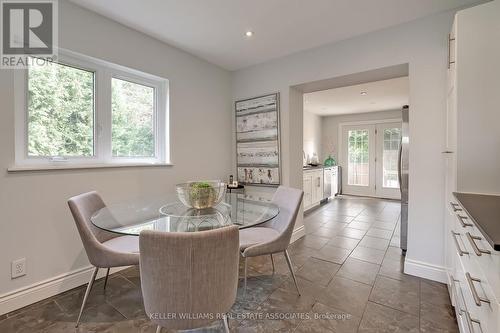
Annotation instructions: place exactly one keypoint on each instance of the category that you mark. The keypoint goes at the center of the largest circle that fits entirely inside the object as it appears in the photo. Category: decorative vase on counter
(330, 161)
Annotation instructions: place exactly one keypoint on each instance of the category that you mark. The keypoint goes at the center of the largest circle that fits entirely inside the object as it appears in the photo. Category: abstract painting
(258, 140)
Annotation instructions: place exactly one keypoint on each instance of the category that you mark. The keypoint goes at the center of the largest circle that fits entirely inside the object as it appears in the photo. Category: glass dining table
(168, 214)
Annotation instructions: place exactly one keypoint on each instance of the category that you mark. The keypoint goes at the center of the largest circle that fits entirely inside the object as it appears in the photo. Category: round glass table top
(170, 215)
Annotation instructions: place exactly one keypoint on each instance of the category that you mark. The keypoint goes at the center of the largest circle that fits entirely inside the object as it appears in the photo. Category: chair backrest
(288, 200)
(189, 279)
(82, 207)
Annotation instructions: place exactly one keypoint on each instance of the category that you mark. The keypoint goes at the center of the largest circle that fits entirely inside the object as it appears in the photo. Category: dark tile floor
(348, 267)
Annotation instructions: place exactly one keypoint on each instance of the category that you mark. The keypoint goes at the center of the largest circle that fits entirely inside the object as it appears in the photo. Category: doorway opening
(376, 101)
(359, 128)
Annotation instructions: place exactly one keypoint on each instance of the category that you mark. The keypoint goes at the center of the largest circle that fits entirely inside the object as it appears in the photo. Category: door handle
(459, 249)
(477, 250)
(449, 51)
(400, 155)
(477, 299)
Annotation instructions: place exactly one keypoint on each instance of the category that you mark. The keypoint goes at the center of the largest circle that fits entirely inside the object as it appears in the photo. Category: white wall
(423, 45)
(330, 131)
(35, 222)
(312, 134)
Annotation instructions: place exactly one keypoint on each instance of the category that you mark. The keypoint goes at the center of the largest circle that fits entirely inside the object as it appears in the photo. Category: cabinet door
(317, 183)
(321, 189)
(307, 185)
(478, 82)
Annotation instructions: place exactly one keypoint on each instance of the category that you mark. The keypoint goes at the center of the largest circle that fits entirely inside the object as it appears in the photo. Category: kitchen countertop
(484, 210)
(311, 167)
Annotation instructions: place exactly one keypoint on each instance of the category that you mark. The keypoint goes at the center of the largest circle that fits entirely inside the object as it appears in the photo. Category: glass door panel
(358, 158)
(390, 157)
(388, 142)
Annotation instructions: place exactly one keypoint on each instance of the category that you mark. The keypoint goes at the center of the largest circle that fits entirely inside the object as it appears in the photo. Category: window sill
(27, 168)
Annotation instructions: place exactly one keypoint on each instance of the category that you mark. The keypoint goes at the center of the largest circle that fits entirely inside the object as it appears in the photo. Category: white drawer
(466, 324)
(487, 258)
(478, 295)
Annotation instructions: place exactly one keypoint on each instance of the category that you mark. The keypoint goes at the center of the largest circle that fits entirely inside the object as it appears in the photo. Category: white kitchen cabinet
(313, 187)
(307, 186)
(476, 98)
(472, 135)
(474, 277)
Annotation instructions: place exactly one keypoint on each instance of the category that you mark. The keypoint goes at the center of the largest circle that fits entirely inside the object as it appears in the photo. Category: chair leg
(106, 279)
(245, 281)
(289, 262)
(226, 323)
(87, 292)
(272, 262)
(158, 329)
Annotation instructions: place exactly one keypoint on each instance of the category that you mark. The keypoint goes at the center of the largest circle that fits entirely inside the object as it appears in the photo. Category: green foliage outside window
(133, 112)
(358, 146)
(60, 111)
(61, 114)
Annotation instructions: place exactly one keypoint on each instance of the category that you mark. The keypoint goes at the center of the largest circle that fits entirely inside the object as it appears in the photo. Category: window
(84, 111)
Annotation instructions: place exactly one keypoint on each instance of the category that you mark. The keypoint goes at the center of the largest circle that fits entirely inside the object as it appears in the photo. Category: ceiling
(214, 29)
(380, 96)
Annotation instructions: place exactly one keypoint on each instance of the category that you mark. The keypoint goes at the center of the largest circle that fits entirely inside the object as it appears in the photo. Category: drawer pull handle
(477, 250)
(460, 251)
(477, 299)
(470, 321)
(461, 311)
(455, 207)
(462, 221)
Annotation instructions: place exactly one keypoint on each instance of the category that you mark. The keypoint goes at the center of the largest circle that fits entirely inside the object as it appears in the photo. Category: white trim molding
(44, 289)
(425, 270)
(298, 233)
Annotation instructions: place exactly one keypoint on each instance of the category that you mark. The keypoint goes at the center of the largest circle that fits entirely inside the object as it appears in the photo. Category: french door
(370, 157)
(358, 156)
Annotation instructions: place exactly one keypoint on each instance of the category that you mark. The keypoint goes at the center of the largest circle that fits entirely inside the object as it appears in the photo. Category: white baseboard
(44, 289)
(298, 233)
(425, 270)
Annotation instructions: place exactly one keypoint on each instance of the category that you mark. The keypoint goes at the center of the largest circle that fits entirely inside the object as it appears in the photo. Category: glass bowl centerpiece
(201, 194)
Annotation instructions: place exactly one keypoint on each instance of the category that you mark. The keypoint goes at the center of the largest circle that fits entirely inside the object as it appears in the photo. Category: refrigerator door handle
(400, 161)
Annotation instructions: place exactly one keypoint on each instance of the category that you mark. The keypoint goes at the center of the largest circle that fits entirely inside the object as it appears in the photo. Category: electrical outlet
(18, 268)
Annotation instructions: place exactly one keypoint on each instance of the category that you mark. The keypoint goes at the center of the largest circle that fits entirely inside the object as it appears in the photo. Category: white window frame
(104, 72)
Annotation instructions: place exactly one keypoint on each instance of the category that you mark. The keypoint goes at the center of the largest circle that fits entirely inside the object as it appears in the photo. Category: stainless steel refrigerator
(403, 171)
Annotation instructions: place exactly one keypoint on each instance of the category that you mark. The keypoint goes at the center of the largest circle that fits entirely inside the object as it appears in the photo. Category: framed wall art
(258, 159)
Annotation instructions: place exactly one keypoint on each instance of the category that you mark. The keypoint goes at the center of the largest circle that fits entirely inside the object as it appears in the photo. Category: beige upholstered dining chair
(104, 249)
(189, 279)
(273, 236)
